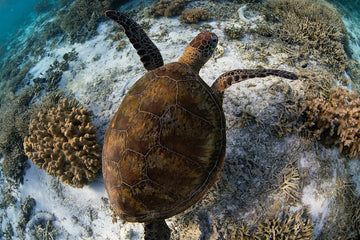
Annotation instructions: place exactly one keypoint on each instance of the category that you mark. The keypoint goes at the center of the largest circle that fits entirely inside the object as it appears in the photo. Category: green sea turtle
(165, 146)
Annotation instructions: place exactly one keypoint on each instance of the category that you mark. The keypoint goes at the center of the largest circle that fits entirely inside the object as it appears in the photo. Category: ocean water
(268, 169)
(14, 15)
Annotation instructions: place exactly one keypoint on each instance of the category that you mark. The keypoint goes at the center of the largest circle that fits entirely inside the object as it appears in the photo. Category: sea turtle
(165, 146)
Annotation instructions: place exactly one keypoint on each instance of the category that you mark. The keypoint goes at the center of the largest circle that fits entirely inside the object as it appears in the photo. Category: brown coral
(290, 227)
(167, 8)
(335, 120)
(194, 16)
(315, 24)
(62, 140)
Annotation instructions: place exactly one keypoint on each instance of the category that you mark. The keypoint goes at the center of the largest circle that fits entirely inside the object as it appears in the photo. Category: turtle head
(200, 49)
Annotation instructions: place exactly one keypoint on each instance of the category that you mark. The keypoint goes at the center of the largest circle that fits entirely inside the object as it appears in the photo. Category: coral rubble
(62, 140)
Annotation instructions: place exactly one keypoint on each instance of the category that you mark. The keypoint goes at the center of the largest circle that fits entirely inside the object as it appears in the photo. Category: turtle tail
(157, 230)
(227, 79)
(149, 54)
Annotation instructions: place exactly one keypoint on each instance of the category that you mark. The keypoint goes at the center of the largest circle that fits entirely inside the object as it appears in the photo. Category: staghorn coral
(291, 185)
(194, 16)
(291, 226)
(167, 8)
(62, 140)
(287, 226)
(314, 23)
(335, 120)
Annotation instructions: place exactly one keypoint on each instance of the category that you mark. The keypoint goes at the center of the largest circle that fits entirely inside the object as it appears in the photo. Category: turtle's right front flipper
(149, 54)
(227, 79)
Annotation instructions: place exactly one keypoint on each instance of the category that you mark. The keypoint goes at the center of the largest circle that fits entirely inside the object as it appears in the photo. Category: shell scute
(140, 86)
(125, 115)
(188, 135)
(143, 132)
(111, 172)
(159, 95)
(124, 203)
(132, 168)
(178, 174)
(154, 197)
(198, 104)
(116, 144)
(176, 71)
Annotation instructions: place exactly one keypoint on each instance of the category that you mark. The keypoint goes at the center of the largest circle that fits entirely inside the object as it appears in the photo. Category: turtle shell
(165, 146)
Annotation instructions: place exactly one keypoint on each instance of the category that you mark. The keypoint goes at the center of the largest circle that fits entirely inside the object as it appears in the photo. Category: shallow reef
(291, 167)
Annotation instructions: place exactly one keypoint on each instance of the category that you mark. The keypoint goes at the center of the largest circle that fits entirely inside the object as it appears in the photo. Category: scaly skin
(199, 50)
(227, 79)
(149, 54)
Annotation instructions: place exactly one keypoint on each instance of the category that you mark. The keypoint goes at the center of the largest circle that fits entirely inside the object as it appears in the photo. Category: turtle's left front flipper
(227, 79)
(149, 54)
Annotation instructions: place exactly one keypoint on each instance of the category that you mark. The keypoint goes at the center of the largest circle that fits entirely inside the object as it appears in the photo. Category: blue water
(14, 14)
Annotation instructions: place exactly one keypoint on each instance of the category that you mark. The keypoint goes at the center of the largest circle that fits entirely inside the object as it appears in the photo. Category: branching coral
(62, 140)
(194, 15)
(335, 120)
(290, 227)
(291, 184)
(14, 119)
(314, 23)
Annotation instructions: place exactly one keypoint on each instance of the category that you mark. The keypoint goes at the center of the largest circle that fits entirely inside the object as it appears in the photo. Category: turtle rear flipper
(157, 230)
(149, 54)
(227, 79)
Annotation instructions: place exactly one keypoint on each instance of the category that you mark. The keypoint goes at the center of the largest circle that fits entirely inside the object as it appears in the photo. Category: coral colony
(63, 142)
